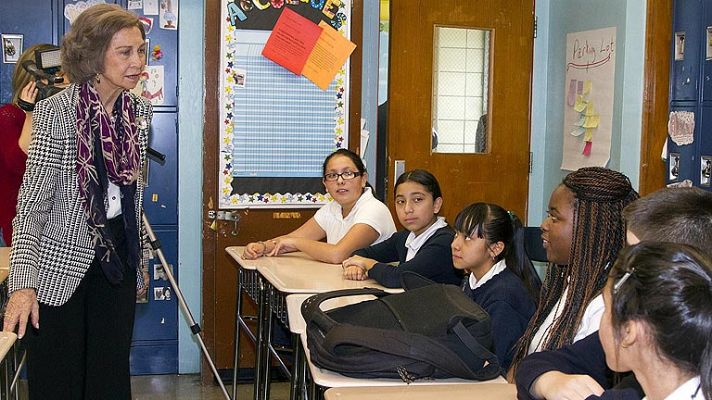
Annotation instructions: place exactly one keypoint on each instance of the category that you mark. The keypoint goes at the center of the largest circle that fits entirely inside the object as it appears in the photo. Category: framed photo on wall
(11, 48)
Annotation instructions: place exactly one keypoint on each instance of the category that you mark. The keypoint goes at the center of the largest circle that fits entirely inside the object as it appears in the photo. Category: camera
(45, 67)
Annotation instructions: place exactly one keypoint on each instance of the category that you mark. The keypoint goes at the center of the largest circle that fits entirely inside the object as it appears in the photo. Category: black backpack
(433, 331)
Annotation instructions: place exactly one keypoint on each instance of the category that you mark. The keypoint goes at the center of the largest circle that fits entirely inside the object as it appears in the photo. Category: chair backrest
(533, 244)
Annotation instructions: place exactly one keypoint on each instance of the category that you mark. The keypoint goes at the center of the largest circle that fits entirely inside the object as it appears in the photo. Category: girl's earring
(98, 78)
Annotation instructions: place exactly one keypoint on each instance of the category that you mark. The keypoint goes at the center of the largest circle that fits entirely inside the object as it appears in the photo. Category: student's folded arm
(384, 252)
(429, 262)
(585, 357)
(359, 236)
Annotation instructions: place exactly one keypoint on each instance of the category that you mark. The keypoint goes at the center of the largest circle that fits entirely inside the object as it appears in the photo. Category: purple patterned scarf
(121, 158)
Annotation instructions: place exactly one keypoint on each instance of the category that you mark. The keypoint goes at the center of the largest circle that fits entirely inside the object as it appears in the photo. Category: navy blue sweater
(510, 307)
(433, 260)
(585, 357)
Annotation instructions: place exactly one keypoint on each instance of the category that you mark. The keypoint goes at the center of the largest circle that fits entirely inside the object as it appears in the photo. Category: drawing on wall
(277, 129)
(11, 48)
(588, 105)
(674, 166)
(72, 10)
(705, 171)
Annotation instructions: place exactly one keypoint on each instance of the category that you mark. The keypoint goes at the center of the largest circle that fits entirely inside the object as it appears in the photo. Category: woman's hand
(254, 250)
(21, 306)
(29, 92)
(283, 245)
(355, 273)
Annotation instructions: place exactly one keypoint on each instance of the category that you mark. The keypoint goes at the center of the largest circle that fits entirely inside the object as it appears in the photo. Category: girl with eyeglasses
(489, 244)
(355, 219)
(658, 321)
(422, 247)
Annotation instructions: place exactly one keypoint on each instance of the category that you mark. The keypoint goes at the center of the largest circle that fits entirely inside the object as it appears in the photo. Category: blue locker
(161, 196)
(703, 177)
(685, 71)
(35, 21)
(684, 156)
(706, 55)
(155, 338)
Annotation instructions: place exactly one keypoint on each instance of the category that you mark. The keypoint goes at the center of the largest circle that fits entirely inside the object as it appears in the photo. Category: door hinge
(531, 161)
(536, 25)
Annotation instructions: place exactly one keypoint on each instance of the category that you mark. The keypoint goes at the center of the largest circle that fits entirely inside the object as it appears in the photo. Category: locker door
(681, 161)
(703, 170)
(161, 194)
(706, 52)
(687, 35)
(154, 349)
(31, 19)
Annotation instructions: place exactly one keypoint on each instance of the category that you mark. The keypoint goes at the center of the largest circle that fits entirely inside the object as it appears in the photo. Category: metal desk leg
(238, 316)
(297, 382)
(269, 295)
(259, 353)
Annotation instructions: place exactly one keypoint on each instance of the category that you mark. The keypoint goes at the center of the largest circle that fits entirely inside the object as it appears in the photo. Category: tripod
(194, 326)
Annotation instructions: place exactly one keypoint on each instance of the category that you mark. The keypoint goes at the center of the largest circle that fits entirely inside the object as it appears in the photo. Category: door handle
(223, 215)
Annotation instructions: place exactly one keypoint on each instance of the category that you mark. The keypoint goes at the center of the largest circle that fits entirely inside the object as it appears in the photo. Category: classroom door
(423, 131)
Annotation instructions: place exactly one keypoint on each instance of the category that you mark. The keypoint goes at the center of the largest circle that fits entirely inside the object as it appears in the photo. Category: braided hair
(600, 194)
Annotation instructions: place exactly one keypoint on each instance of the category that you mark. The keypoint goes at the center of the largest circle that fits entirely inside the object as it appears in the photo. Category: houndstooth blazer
(51, 246)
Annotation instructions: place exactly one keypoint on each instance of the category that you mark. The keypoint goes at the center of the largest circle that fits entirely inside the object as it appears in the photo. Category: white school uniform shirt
(414, 243)
(589, 323)
(367, 210)
(688, 390)
(496, 269)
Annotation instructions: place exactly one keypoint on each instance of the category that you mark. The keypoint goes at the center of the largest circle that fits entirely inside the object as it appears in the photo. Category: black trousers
(81, 350)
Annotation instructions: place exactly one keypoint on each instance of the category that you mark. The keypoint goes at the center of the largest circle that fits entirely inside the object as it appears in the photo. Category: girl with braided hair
(582, 235)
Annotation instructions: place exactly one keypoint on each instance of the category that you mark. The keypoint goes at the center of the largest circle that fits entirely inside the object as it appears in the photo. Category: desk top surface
(298, 273)
(467, 391)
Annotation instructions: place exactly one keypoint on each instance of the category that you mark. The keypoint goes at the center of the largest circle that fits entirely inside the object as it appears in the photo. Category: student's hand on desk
(355, 273)
(555, 385)
(284, 245)
(254, 250)
(21, 306)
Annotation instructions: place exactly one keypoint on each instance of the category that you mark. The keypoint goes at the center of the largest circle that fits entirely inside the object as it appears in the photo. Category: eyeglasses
(346, 175)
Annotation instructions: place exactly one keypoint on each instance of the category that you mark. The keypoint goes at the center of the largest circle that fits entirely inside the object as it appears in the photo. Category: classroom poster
(277, 127)
(588, 98)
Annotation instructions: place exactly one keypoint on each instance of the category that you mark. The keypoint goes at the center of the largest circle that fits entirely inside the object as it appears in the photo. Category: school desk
(276, 278)
(484, 391)
(322, 378)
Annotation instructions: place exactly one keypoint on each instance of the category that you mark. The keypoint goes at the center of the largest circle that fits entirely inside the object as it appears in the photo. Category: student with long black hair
(423, 247)
(489, 244)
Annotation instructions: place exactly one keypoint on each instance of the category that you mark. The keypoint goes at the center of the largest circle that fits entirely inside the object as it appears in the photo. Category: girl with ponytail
(489, 244)
(658, 320)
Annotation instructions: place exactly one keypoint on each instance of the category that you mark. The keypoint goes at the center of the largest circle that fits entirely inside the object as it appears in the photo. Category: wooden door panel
(501, 175)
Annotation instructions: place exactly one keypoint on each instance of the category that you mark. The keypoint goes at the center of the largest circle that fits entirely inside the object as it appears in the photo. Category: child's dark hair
(422, 177)
(494, 224)
(346, 153)
(679, 215)
(669, 287)
(600, 194)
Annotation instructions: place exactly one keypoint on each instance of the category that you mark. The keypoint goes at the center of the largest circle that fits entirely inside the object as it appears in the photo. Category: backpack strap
(478, 350)
(312, 312)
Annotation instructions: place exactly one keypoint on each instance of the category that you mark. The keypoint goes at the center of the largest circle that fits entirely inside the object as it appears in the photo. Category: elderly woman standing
(76, 239)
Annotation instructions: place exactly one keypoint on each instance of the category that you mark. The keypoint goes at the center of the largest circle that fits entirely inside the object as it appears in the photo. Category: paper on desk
(291, 41)
(329, 54)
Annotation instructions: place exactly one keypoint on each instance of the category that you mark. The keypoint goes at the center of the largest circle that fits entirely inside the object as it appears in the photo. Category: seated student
(677, 215)
(489, 244)
(658, 321)
(355, 219)
(582, 235)
(422, 247)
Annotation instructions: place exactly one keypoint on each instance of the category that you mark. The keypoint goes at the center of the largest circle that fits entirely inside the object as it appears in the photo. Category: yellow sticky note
(580, 104)
(588, 136)
(590, 110)
(587, 86)
(591, 121)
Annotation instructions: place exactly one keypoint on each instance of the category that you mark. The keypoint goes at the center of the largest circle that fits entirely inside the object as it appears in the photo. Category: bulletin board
(276, 127)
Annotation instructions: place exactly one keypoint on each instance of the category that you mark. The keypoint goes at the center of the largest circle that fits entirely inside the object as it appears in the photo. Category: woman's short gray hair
(85, 45)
